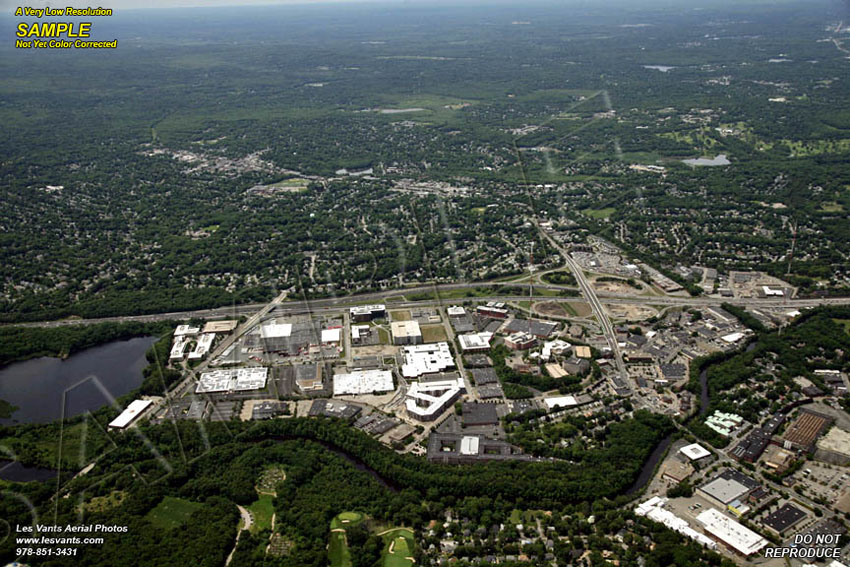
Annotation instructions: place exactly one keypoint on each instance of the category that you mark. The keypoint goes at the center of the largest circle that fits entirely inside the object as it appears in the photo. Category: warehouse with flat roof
(232, 380)
(129, 415)
(406, 333)
(733, 535)
(363, 382)
(426, 359)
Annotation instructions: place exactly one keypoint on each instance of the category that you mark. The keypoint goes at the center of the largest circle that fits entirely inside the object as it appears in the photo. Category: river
(45, 389)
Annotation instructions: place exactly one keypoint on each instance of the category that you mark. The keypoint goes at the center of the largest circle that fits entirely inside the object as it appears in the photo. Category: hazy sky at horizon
(8, 6)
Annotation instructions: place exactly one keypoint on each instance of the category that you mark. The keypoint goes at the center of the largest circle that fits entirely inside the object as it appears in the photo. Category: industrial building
(478, 342)
(728, 486)
(365, 313)
(781, 520)
(473, 414)
(493, 310)
(308, 377)
(426, 400)
(232, 380)
(534, 327)
(333, 408)
(566, 401)
(268, 410)
(676, 471)
(332, 336)
(654, 510)
(804, 431)
(520, 341)
(426, 359)
(733, 535)
(129, 415)
(695, 452)
(452, 448)
(220, 326)
(406, 333)
(362, 382)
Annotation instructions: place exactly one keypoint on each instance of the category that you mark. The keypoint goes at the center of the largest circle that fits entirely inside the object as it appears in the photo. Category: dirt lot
(631, 312)
(614, 287)
(376, 350)
(549, 308)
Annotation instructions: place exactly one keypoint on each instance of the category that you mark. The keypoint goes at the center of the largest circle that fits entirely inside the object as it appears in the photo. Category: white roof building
(232, 380)
(202, 347)
(455, 311)
(332, 335)
(186, 330)
(427, 400)
(732, 337)
(129, 415)
(276, 330)
(469, 445)
(477, 341)
(425, 359)
(695, 451)
(560, 402)
(363, 382)
(769, 292)
(406, 332)
(178, 349)
(556, 347)
(741, 539)
(654, 510)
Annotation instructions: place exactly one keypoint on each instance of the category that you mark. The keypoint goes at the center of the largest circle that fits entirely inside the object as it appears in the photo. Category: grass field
(433, 333)
(400, 315)
(599, 213)
(262, 511)
(338, 553)
(399, 547)
(172, 512)
(346, 519)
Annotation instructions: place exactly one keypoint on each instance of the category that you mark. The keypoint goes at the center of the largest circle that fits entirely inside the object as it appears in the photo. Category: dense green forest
(217, 466)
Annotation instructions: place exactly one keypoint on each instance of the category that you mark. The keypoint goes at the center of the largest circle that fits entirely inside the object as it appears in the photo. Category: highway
(590, 294)
(300, 307)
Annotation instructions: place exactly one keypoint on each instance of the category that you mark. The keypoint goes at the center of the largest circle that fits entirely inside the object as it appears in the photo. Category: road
(590, 294)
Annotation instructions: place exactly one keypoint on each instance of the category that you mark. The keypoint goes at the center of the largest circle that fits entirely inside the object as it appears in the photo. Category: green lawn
(262, 511)
(400, 315)
(172, 512)
(346, 519)
(600, 213)
(338, 553)
(401, 542)
(433, 333)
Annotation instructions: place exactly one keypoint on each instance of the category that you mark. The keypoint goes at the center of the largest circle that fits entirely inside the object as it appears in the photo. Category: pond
(45, 389)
